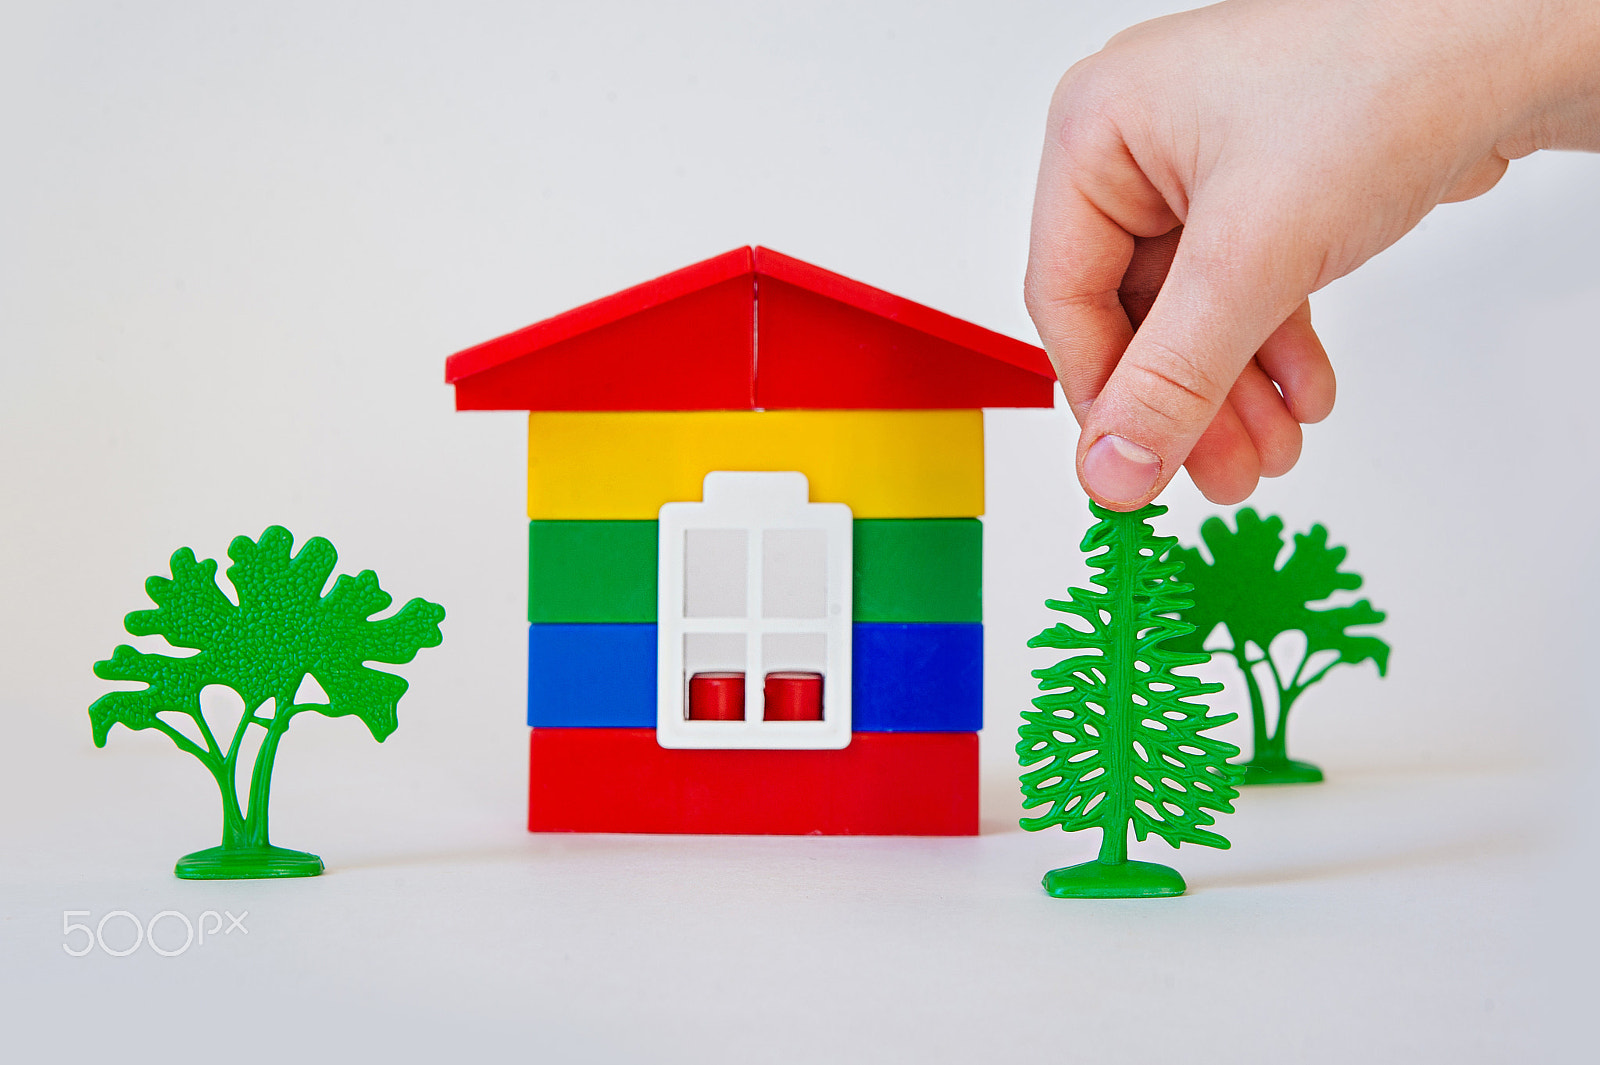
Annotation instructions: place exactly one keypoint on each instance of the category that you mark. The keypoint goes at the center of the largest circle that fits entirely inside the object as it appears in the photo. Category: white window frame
(755, 502)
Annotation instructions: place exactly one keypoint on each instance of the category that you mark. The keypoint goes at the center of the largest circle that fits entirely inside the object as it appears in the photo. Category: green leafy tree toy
(281, 630)
(1243, 589)
(1120, 742)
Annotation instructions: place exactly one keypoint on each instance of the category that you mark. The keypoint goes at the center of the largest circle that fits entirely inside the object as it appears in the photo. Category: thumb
(1222, 298)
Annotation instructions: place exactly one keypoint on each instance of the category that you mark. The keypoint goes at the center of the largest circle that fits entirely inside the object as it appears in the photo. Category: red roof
(751, 330)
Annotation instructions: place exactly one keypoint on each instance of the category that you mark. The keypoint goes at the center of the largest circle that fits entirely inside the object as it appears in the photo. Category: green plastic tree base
(218, 863)
(1125, 880)
(1284, 771)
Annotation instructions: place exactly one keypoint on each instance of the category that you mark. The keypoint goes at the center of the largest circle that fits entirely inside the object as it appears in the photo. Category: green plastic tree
(281, 630)
(1243, 589)
(1121, 740)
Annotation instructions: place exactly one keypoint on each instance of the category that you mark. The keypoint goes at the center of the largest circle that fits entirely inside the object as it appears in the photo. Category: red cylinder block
(794, 696)
(716, 697)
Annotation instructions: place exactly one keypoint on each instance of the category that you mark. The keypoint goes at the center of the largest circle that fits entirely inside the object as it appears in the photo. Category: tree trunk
(1278, 746)
(1114, 845)
(234, 834)
(1260, 738)
(261, 777)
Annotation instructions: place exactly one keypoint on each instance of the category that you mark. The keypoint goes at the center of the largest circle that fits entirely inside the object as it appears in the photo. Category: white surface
(236, 243)
(758, 504)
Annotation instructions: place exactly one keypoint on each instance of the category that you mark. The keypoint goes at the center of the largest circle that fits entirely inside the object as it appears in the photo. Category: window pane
(794, 650)
(714, 652)
(794, 573)
(714, 569)
(793, 682)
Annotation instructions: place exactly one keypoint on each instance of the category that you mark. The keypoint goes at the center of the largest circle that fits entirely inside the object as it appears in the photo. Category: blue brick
(918, 677)
(594, 675)
(908, 677)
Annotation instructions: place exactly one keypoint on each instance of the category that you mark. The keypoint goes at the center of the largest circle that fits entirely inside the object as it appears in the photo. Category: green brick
(916, 569)
(591, 571)
(906, 570)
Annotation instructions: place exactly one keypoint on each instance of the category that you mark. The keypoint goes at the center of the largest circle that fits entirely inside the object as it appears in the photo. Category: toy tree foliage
(1120, 741)
(1243, 589)
(277, 630)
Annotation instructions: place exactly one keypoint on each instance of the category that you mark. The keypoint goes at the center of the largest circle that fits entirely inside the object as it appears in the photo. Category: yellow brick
(883, 463)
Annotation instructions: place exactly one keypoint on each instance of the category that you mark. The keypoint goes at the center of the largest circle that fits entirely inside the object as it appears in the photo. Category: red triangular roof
(751, 329)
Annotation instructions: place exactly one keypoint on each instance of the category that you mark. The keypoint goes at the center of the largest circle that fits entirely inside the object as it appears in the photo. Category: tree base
(1280, 771)
(1125, 880)
(256, 863)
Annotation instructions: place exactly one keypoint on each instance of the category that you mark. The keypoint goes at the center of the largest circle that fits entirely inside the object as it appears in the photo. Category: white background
(237, 243)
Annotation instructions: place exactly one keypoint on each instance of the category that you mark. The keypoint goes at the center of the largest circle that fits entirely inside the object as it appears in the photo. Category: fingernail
(1120, 471)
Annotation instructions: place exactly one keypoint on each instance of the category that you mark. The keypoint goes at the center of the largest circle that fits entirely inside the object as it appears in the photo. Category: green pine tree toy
(1243, 590)
(282, 630)
(1121, 739)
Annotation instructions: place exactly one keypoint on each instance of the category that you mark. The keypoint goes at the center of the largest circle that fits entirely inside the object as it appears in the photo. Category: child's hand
(1204, 173)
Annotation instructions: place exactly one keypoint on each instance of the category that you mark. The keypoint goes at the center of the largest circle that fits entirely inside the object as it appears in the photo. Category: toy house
(754, 554)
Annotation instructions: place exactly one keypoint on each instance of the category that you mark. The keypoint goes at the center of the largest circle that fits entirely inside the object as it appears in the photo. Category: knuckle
(1034, 289)
(1057, 289)
(1167, 381)
(1084, 110)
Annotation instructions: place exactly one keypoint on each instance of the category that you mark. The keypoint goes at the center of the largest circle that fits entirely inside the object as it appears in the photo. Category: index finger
(1076, 261)
(1091, 202)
